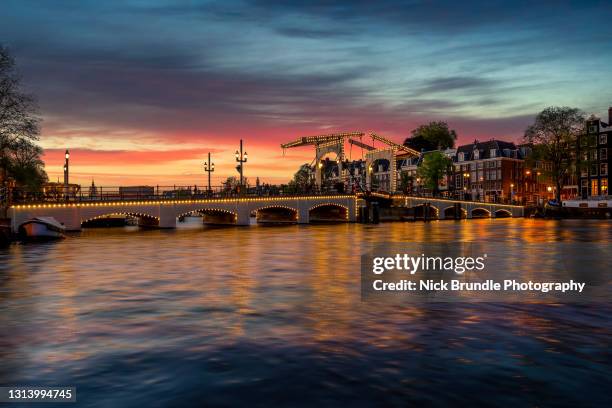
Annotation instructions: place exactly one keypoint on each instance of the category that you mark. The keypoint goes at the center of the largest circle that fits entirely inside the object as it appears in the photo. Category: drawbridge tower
(335, 143)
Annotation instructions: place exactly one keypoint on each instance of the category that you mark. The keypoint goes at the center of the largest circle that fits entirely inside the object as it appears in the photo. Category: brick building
(593, 158)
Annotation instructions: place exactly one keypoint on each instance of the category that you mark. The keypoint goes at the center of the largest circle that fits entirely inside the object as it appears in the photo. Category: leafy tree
(554, 133)
(303, 179)
(405, 182)
(232, 183)
(432, 136)
(435, 167)
(19, 127)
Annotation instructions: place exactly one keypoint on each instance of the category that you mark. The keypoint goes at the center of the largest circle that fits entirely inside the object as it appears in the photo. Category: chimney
(610, 116)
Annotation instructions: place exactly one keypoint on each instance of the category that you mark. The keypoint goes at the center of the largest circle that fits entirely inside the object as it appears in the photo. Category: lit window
(604, 187)
(594, 187)
(603, 139)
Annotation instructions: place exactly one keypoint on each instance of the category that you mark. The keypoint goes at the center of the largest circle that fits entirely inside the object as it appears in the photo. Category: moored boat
(42, 228)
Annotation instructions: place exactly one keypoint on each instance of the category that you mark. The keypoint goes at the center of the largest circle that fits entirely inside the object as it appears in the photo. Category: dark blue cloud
(176, 66)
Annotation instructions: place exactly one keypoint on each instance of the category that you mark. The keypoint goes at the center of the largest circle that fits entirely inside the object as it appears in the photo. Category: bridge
(239, 210)
(165, 213)
(437, 208)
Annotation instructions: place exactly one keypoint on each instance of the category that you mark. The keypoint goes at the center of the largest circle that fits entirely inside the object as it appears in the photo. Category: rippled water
(270, 316)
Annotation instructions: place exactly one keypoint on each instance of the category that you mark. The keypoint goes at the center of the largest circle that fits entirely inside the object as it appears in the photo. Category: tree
(19, 125)
(435, 167)
(406, 182)
(303, 180)
(26, 166)
(554, 133)
(432, 136)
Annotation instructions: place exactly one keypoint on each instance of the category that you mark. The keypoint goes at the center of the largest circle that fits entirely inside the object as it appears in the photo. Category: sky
(141, 91)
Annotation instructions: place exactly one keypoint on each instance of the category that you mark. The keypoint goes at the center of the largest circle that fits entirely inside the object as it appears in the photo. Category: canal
(265, 316)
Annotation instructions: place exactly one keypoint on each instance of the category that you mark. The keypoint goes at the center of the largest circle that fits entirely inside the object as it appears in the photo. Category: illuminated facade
(593, 156)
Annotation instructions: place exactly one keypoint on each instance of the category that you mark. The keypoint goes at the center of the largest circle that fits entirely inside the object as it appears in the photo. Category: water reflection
(258, 315)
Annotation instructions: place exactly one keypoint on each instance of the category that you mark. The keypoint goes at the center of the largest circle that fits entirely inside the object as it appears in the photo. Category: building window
(584, 172)
(594, 189)
(593, 169)
(493, 152)
(603, 154)
(461, 156)
(592, 128)
(603, 169)
(603, 139)
(476, 154)
(604, 186)
(594, 155)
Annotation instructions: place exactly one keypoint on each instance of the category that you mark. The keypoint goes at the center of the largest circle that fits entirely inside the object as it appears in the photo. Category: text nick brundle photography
(257, 203)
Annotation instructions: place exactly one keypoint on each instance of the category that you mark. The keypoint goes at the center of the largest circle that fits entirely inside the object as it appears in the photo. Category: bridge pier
(303, 214)
(167, 217)
(244, 216)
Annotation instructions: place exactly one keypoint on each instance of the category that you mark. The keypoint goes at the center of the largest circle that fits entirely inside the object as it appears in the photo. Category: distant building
(593, 158)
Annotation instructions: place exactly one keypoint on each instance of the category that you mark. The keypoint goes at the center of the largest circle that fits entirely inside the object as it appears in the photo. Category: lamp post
(241, 158)
(466, 179)
(66, 174)
(511, 193)
(209, 167)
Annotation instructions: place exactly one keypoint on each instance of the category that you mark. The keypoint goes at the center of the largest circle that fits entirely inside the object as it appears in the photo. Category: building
(499, 171)
(593, 158)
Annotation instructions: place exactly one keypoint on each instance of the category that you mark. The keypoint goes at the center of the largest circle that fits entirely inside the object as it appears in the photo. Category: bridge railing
(76, 193)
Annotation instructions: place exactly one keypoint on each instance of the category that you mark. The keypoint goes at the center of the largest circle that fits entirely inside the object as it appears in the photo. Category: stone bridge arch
(503, 213)
(277, 214)
(454, 212)
(329, 212)
(480, 212)
(212, 215)
(144, 220)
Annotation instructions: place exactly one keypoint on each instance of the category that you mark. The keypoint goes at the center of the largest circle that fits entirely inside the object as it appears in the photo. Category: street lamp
(209, 167)
(66, 174)
(241, 158)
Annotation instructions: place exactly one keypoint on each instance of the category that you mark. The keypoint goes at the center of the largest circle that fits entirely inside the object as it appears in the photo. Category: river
(265, 316)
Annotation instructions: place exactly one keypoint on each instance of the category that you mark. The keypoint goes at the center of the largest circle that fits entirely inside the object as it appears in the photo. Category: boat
(42, 228)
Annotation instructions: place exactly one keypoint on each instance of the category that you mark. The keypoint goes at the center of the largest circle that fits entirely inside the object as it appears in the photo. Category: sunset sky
(140, 91)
